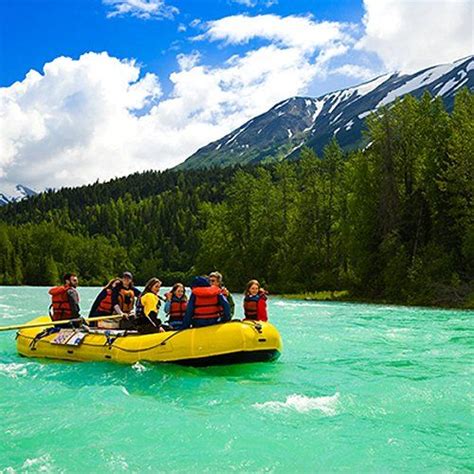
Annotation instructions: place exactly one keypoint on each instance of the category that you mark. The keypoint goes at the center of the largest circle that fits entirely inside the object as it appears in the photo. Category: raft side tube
(228, 343)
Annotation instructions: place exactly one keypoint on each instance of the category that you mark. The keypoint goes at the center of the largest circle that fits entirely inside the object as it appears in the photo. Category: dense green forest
(392, 222)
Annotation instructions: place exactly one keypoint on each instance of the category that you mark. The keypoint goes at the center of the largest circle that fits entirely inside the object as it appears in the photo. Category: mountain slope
(19, 193)
(280, 132)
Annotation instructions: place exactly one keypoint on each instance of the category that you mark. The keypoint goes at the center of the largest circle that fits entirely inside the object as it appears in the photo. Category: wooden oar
(62, 322)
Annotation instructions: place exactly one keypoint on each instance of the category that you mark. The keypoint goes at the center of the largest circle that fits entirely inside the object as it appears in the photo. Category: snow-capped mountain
(281, 132)
(16, 194)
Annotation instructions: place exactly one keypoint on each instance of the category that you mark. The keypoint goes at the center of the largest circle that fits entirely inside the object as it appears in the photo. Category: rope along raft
(232, 342)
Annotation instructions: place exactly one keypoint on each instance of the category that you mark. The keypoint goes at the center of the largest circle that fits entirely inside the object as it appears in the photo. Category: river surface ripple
(358, 388)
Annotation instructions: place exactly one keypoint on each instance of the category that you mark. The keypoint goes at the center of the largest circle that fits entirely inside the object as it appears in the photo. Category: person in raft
(206, 306)
(148, 305)
(215, 278)
(104, 304)
(175, 306)
(65, 299)
(255, 302)
(124, 295)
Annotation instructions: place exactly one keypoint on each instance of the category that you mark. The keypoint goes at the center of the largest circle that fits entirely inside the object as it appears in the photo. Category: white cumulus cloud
(409, 35)
(188, 61)
(292, 31)
(144, 9)
(254, 3)
(96, 117)
(73, 122)
(354, 70)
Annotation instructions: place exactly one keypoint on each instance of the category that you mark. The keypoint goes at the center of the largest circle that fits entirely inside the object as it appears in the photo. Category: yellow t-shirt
(150, 302)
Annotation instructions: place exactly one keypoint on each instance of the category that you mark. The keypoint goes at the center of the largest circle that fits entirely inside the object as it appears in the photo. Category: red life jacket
(126, 299)
(60, 303)
(206, 305)
(250, 308)
(105, 306)
(177, 309)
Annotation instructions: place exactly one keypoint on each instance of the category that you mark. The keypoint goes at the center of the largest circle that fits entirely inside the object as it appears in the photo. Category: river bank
(347, 297)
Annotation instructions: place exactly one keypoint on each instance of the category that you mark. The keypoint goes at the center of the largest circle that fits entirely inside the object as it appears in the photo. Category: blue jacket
(188, 317)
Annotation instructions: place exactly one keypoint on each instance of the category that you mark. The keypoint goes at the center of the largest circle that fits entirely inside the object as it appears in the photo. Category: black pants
(142, 324)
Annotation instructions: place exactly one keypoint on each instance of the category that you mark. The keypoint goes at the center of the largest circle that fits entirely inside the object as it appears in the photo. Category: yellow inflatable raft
(228, 343)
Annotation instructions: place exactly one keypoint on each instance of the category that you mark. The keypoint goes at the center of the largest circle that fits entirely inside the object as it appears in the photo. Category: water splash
(303, 404)
(137, 367)
(13, 370)
(42, 463)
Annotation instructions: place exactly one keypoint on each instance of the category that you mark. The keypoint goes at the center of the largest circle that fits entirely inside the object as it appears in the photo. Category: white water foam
(398, 333)
(13, 370)
(118, 462)
(292, 305)
(139, 367)
(302, 404)
(41, 464)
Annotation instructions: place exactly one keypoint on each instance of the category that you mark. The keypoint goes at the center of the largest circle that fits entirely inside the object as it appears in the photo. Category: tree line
(393, 221)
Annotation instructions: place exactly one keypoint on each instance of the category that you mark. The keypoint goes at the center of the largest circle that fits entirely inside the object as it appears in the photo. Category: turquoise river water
(358, 388)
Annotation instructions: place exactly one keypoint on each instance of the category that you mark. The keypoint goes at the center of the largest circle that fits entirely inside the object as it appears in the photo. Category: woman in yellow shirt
(148, 306)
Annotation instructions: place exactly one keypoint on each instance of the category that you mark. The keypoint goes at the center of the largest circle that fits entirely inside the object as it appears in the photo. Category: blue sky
(119, 86)
(34, 32)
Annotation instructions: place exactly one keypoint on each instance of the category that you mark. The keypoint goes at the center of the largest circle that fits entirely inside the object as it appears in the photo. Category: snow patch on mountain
(281, 104)
(319, 108)
(428, 76)
(299, 121)
(364, 114)
(447, 86)
(370, 86)
(9, 193)
(461, 84)
(297, 147)
(241, 130)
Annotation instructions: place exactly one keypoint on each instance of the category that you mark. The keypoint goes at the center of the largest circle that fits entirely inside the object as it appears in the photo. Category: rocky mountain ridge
(19, 193)
(291, 124)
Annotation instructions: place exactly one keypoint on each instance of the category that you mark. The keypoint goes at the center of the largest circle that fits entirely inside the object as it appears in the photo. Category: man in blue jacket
(206, 306)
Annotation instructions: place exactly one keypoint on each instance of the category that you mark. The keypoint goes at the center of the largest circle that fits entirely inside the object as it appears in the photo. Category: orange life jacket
(105, 306)
(126, 299)
(177, 309)
(206, 305)
(60, 303)
(250, 308)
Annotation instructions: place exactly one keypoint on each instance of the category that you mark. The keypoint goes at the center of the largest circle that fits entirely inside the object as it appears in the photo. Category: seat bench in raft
(227, 343)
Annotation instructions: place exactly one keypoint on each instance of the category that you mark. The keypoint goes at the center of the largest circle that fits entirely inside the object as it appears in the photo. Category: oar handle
(57, 323)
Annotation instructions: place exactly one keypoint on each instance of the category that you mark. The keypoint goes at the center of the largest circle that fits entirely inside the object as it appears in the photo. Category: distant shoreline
(345, 297)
